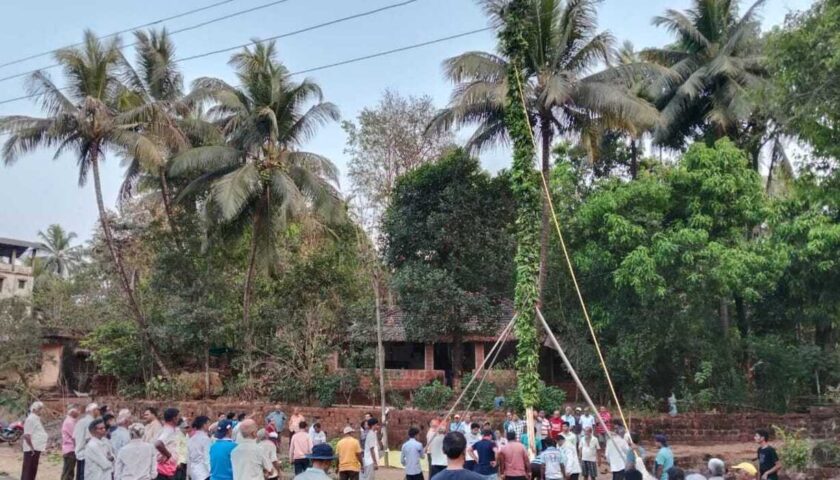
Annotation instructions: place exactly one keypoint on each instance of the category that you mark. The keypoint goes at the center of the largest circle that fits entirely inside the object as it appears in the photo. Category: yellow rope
(571, 267)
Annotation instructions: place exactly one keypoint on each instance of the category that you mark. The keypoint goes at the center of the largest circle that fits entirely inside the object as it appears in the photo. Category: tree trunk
(634, 159)
(741, 314)
(167, 204)
(134, 306)
(207, 371)
(545, 220)
(380, 355)
(457, 353)
(724, 316)
(246, 298)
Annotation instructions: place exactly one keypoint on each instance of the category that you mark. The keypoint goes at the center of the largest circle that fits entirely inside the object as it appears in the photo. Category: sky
(37, 191)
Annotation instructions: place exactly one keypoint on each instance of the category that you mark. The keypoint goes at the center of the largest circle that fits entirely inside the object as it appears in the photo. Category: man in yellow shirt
(349, 453)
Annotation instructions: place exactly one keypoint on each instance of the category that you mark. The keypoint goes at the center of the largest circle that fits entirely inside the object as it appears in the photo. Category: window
(401, 355)
(21, 284)
(1, 283)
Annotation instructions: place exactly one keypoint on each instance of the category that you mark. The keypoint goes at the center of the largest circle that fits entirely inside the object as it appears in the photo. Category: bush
(826, 454)
(550, 398)
(396, 400)
(434, 396)
(160, 388)
(286, 390)
(794, 452)
(483, 398)
(327, 389)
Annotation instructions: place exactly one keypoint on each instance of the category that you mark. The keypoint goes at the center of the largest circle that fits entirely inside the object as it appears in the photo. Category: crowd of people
(99, 445)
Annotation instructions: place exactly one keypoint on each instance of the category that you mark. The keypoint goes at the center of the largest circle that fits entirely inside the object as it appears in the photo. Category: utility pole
(380, 356)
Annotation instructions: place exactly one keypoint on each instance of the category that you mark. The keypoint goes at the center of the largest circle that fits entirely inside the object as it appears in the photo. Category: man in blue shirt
(412, 452)
(664, 457)
(485, 451)
(220, 465)
(458, 426)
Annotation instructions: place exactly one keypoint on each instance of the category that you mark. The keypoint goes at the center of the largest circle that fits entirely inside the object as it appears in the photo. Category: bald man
(247, 458)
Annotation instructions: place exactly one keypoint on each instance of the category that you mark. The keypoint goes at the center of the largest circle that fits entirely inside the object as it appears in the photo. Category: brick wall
(694, 429)
(403, 380)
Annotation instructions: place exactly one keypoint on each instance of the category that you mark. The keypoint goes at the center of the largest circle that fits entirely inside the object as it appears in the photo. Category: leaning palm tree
(562, 95)
(714, 62)
(61, 258)
(259, 180)
(158, 85)
(90, 119)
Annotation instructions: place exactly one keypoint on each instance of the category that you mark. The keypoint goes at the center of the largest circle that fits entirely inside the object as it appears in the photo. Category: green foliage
(160, 388)
(826, 453)
(20, 353)
(794, 451)
(804, 62)
(434, 396)
(526, 192)
(483, 397)
(549, 398)
(327, 389)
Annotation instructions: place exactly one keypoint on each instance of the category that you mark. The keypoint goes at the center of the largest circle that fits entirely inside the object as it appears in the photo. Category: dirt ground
(691, 457)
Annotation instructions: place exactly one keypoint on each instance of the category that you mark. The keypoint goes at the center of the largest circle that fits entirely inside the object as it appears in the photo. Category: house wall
(51, 354)
(10, 276)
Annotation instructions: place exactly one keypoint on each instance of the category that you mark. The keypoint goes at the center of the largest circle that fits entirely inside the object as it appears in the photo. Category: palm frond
(234, 191)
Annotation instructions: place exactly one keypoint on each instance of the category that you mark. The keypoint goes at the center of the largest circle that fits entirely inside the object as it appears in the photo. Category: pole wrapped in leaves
(526, 191)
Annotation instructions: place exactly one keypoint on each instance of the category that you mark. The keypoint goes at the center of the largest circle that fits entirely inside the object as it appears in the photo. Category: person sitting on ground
(455, 448)
(410, 455)
(717, 469)
(664, 457)
(136, 459)
(513, 459)
(769, 464)
(321, 458)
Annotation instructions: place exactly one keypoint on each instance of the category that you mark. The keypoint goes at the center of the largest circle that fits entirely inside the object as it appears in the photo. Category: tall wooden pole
(380, 355)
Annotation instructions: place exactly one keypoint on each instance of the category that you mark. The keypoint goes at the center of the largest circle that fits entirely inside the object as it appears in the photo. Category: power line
(342, 62)
(149, 24)
(174, 32)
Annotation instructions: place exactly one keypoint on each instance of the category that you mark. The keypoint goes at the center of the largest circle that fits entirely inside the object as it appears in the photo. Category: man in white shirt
(167, 444)
(269, 451)
(317, 435)
(247, 458)
(589, 446)
(136, 459)
(473, 437)
(370, 459)
(553, 460)
(81, 435)
(34, 442)
(587, 420)
(198, 449)
(435, 448)
(99, 461)
(616, 453)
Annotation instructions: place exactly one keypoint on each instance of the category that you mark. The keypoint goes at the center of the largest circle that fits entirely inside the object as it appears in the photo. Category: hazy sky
(38, 191)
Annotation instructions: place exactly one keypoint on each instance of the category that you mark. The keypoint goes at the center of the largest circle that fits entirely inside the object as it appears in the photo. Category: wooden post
(380, 354)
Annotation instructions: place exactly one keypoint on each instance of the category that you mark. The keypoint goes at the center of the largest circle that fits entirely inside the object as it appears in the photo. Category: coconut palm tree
(562, 94)
(259, 179)
(88, 117)
(60, 258)
(158, 85)
(714, 61)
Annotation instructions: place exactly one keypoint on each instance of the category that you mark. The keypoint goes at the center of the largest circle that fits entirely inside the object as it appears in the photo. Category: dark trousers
(469, 465)
(80, 470)
(418, 476)
(574, 476)
(68, 468)
(301, 465)
(618, 475)
(515, 478)
(348, 475)
(30, 465)
(435, 469)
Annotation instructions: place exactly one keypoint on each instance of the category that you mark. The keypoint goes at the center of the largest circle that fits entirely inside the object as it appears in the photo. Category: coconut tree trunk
(134, 306)
(167, 200)
(634, 159)
(545, 219)
(246, 296)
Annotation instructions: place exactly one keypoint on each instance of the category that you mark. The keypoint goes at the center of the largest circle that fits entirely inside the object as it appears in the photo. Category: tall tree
(715, 60)
(61, 258)
(386, 142)
(94, 116)
(562, 95)
(446, 237)
(259, 180)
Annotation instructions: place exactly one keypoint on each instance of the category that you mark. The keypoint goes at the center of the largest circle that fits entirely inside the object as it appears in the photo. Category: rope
(586, 396)
(572, 271)
(486, 371)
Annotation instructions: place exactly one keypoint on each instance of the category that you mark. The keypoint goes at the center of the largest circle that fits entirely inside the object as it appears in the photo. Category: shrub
(826, 454)
(327, 389)
(434, 396)
(484, 396)
(286, 390)
(396, 400)
(795, 452)
(160, 388)
(550, 398)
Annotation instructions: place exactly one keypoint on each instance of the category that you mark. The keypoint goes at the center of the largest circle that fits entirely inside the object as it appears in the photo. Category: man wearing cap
(269, 452)
(745, 471)
(349, 452)
(247, 458)
(136, 459)
(220, 466)
(320, 460)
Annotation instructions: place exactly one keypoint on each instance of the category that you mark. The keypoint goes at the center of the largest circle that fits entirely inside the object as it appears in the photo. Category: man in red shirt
(556, 425)
(513, 460)
(599, 430)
